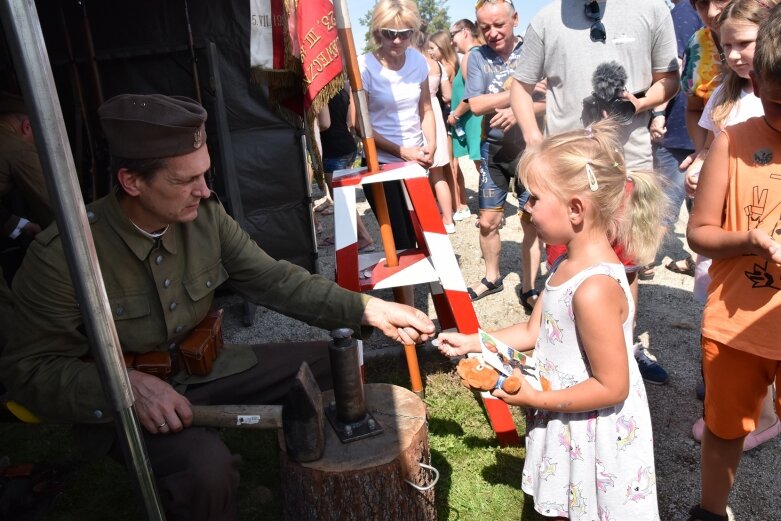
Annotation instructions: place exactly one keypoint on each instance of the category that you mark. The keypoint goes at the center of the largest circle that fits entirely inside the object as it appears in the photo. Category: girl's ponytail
(640, 228)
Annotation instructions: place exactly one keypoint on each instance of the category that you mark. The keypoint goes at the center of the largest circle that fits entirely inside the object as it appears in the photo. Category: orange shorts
(735, 384)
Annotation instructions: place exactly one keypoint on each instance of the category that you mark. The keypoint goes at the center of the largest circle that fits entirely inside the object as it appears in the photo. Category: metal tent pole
(25, 39)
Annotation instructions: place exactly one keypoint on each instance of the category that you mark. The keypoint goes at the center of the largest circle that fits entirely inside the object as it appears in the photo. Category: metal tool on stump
(301, 417)
(344, 30)
(347, 413)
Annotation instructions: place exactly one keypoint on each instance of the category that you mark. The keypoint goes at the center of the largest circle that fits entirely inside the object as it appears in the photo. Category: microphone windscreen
(609, 80)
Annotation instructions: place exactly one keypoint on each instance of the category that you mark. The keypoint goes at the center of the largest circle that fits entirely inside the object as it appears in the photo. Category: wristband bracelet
(656, 113)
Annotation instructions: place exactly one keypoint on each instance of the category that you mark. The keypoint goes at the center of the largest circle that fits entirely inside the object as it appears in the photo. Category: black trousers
(197, 476)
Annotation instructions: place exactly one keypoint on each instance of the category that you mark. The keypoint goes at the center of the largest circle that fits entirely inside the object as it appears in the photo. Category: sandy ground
(668, 322)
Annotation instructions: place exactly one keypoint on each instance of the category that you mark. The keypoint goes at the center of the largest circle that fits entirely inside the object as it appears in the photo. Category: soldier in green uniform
(165, 244)
(24, 201)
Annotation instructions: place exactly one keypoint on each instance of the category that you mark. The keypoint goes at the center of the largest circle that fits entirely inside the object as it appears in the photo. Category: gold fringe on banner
(290, 83)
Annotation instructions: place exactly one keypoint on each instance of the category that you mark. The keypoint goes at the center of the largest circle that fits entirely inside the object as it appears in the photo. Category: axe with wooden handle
(301, 417)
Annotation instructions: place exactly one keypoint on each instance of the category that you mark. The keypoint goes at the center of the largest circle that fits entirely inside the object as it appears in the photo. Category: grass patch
(478, 479)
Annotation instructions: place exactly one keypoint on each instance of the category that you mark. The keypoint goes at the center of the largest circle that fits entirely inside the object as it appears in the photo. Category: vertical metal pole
(25, 38)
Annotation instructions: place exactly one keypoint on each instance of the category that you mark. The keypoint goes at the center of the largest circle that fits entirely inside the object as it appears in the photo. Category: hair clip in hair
(589, 132)
(616, 164)
(592, 178)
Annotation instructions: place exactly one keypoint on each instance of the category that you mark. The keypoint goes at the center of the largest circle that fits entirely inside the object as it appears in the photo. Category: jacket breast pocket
(202, 285)
(132, 315)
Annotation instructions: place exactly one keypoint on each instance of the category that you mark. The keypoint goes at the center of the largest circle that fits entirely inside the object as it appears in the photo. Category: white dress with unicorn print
(596, 465)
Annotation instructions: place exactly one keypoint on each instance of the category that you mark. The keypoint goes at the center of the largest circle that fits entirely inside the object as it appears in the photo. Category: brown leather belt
(196, 353)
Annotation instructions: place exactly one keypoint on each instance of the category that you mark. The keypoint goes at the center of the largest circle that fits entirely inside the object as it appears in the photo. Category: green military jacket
(158, 290)
(20, 170)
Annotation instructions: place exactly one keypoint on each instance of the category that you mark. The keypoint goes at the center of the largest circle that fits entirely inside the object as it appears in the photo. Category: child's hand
(523, 398)
(456, 344)
(765, 246)
(692, 177)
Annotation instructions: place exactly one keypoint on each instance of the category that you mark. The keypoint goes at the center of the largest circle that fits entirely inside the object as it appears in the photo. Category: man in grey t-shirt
(559, 46)
(565, 43)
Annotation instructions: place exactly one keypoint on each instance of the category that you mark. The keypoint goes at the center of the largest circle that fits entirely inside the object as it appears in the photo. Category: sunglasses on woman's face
(598, 33)
(392, 34)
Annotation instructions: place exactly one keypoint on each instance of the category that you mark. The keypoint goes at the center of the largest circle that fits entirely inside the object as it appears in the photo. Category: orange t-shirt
(743, 309)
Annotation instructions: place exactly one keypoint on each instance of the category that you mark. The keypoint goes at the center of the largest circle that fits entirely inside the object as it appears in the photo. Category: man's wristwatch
(657, 113)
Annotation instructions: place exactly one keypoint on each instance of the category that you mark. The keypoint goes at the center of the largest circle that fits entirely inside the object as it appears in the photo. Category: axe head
(303, 419)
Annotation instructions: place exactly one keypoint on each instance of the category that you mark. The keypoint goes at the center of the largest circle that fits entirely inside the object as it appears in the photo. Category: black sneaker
(651, 372)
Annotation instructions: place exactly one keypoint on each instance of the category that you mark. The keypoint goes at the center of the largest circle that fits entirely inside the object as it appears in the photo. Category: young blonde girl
(438, 178)
(733, 102)
(589, 448)
(440, 49)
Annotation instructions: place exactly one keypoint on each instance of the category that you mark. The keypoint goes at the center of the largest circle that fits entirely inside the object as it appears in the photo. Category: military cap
(12, 103)
(151, 126)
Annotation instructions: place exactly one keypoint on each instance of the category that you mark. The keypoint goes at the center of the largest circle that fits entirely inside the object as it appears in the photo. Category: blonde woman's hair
(442, 40)
(394, 13)
(630, 215)
(751, 11)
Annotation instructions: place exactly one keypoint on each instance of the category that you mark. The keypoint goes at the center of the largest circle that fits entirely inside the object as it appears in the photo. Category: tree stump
(364, 479)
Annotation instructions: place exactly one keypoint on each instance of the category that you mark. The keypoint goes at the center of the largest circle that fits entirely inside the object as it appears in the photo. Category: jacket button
(91, 217)
(167, 283)
(179, 329)
(172, 306)
(208, 284)
(172, 346)
(158, 259)
(97, 413)
(120, 311)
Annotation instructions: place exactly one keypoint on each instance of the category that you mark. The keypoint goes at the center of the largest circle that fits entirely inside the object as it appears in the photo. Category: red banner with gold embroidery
(303, 33)
(318, 45)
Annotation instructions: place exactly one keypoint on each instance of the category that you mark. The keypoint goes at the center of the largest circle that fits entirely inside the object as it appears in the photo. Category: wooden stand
(365, 479)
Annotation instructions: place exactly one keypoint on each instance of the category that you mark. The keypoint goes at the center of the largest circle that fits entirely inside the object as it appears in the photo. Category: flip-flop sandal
(526, 296)
(676, 268)
(493, 287)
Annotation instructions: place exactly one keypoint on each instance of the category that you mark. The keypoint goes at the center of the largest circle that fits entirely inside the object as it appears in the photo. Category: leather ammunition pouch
(197, 351)
(156, 363)
(201, 347)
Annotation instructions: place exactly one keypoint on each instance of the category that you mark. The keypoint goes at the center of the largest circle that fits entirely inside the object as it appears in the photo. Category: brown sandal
(675, 266)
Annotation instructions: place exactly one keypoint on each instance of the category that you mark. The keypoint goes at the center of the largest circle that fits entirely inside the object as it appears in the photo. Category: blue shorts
(332, 164)
(498, 165)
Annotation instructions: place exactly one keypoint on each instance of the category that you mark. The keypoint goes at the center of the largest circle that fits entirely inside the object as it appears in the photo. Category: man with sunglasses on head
(489, 72)
(565, 43)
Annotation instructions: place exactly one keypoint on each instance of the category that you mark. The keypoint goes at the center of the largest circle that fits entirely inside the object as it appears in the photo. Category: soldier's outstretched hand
(399, 322)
